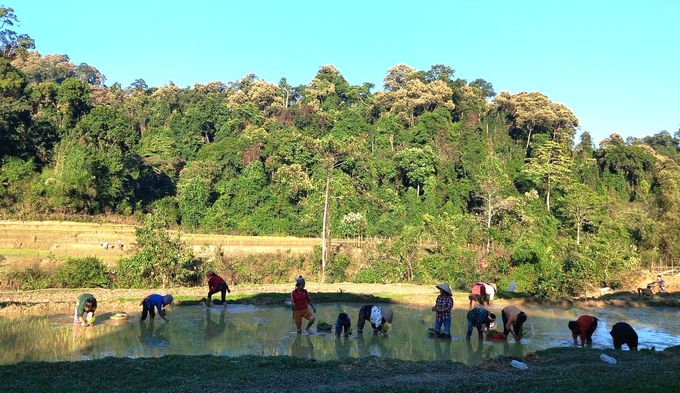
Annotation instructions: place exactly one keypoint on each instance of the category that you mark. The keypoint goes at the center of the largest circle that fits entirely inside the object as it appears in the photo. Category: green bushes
(263, 269)
(336, 269)
(87, 272)
(28, 279)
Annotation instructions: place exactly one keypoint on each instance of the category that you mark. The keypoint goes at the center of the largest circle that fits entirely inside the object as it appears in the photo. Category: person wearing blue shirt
(343, 323)
(155, 301)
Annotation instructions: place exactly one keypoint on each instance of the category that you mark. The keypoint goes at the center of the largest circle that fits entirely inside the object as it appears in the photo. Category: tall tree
(580, 204)
(550, 166)
(10, 42)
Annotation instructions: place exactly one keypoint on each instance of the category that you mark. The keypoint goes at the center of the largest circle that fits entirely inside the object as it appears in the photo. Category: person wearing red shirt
(301, 303)
(584, 327)
(478, 294)
(216, 284)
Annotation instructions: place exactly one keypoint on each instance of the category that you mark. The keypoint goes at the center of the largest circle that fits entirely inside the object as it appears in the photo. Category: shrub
(87, 272)
(28, 279)
(335, 271)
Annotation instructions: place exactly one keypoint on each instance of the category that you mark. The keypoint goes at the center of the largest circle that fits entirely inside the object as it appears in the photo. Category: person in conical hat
(442, 307)
(376, 316)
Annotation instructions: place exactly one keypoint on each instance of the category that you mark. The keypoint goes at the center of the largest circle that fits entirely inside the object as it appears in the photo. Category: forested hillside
(461, 182)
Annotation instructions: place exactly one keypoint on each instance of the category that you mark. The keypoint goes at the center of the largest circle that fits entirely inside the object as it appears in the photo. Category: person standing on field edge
(584, 327)
(301, 303)
(216, 284)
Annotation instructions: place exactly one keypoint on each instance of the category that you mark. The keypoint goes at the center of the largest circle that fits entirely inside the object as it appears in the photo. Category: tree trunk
(324, 246)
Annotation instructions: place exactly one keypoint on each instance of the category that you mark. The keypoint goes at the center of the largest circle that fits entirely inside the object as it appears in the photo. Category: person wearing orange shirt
(583, 327)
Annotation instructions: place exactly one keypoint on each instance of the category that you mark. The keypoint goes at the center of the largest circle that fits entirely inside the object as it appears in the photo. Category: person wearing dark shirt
(376, 316)
(86, 304)
(481, 319)
(342, 324)
(623, 333)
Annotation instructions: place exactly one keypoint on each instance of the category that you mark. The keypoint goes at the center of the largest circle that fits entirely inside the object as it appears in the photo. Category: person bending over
(583, 327)
(623, 333)
(216, 284)
(376, 316)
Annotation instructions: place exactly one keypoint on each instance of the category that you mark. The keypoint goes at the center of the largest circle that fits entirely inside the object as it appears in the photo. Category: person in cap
(481, 319)
(301, 304)
(478, 294)
(584, 327)
(86, 304)
(513, 320)
(155, 301)
(216, 284)
(442, 308)
(342, 324)
(376, 316)
(623, 333)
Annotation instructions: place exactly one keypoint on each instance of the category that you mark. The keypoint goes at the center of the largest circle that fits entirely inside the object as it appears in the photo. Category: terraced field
(39, 242)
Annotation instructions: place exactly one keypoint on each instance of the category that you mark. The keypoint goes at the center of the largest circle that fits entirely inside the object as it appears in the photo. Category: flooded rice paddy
(269, 331)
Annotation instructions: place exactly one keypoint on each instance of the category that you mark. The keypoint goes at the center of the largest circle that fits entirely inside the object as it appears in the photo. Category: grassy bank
(554, 370)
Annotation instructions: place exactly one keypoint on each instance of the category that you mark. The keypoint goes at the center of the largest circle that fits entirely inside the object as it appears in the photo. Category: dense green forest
(454, 181)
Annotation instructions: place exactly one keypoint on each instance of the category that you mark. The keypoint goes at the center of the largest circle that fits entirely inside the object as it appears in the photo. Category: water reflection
(302, 347)
(343, 347)
(270, 331)
(151, 336)
(214, 329)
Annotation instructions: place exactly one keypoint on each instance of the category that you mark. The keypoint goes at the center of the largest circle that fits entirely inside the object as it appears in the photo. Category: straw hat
(387, 314)
(445, 287)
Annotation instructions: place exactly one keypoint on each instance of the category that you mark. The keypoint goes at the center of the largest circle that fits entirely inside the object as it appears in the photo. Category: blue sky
(615, 64)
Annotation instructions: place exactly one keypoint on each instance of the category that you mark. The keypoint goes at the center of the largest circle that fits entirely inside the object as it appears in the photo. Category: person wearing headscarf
(301, 304)
(442, 307)
(376, 316)
(86, 304)
(157, 302)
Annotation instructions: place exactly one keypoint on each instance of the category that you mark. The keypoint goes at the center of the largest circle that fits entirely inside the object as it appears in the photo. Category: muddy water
(269, 331)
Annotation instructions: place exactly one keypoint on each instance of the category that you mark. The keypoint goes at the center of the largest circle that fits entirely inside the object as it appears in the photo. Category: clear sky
(615, 64)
